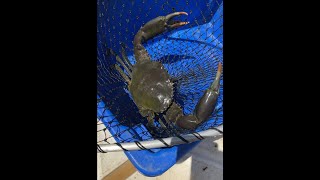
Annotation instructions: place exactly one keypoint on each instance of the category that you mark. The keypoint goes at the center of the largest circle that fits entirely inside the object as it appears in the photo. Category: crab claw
(151, 29)
(216, 84)
(157, 26)
(174, 24)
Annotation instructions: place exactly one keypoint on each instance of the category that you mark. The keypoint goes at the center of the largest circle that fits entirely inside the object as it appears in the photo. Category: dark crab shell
(151, 87)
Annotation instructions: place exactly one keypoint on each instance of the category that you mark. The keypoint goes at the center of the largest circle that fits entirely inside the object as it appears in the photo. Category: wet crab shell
(150, 86)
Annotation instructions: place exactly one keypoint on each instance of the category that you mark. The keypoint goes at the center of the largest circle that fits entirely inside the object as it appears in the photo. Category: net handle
(216, 132)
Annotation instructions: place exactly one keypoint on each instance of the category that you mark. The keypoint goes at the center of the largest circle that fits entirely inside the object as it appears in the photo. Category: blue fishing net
(190, 54)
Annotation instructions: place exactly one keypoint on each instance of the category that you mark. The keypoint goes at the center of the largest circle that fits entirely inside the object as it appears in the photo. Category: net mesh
(190, 54)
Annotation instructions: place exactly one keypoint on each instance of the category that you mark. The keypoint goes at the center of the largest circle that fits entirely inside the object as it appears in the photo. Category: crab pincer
(153, 28)
(205, 105)
(174, 23)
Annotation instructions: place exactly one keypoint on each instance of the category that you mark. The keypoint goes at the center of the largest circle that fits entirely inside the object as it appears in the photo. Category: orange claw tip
(183, 13)
(178, 24)
(219, 67)
(183, 23)
(169, 16)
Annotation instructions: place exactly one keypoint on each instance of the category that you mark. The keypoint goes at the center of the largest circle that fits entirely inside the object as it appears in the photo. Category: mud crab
(151, 86)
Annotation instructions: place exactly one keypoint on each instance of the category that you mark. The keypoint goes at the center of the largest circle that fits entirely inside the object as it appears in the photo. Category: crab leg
(121, 62)
(125, 57)
(151, 29)
(124, 76)
(123, 65)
